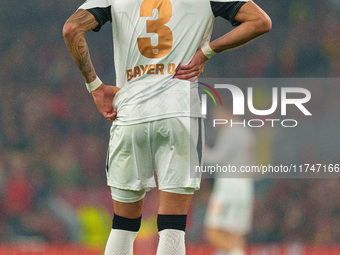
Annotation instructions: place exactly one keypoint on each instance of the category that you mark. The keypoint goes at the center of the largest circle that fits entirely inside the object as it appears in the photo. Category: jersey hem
(154, 118)
(148, 187)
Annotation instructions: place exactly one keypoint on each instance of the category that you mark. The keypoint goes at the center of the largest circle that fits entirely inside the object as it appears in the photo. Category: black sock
(123, 223)
(171, 222)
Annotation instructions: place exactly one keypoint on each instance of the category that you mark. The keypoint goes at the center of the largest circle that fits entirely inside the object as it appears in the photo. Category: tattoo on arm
(83, 22)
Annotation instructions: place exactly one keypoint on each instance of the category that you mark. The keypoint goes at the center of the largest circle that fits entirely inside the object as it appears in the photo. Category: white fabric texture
(120, 242)
(167, 147)
(171, 242)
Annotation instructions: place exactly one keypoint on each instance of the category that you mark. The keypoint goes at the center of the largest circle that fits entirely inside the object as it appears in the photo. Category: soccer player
(230, 208)
(159, 46)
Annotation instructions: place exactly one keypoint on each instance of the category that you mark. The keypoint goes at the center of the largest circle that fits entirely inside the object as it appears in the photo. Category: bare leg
(128, 210)
(232, 243)
(175, 204)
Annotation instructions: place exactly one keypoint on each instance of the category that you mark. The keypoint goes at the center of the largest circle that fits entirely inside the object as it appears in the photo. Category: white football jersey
(151, 39)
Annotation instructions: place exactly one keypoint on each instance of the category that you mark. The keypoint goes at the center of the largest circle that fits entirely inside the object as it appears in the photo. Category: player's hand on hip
(103, 98)
(194, 69)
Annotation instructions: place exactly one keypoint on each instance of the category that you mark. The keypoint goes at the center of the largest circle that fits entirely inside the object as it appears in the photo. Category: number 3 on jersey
(156, 26)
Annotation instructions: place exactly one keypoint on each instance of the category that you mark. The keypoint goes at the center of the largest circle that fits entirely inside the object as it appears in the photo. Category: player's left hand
(103, 98)
(194, 69)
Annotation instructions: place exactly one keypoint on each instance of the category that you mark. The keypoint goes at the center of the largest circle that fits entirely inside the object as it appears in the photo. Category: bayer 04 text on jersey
(152, 69)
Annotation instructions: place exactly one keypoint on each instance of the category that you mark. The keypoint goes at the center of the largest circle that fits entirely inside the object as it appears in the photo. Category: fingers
(110, 116)
(187, 74)
(114, 114)
(186, 67)
(182, 71)
(188, 77)
(188, 70)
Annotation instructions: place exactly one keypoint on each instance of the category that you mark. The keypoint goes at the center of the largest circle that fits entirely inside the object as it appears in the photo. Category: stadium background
(53, 193)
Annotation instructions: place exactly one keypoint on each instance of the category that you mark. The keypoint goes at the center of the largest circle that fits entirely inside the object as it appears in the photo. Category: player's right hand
(103, 98)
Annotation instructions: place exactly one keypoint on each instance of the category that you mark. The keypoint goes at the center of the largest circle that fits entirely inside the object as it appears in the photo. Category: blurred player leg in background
(229, 215)
(229, 212)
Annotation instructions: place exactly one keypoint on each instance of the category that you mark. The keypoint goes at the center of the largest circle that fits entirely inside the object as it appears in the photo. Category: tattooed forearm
(79, 51)
(74, 30)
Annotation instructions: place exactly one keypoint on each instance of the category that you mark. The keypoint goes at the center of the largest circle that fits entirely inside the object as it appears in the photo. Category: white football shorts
(166, 147)
(231, 205)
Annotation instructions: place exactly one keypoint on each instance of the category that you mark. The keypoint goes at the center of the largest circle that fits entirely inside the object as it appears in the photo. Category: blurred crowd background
(53, 141)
